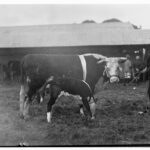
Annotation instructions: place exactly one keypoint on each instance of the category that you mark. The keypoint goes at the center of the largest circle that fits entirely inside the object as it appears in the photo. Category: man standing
(138, 67)
(127, 70)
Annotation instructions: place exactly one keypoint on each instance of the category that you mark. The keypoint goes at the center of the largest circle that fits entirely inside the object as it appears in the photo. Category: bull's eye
(108, 69)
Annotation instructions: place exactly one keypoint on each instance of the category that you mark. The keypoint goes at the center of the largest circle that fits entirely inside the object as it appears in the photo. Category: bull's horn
(122, 59)
(102, 60)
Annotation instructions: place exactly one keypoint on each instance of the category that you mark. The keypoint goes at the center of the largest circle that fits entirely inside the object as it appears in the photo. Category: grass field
(117, 119)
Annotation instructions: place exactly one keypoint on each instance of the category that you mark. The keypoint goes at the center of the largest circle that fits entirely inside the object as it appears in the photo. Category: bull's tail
(22, 72)
(148, 91)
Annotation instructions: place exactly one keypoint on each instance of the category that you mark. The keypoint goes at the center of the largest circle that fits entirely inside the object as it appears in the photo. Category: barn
(110, 39)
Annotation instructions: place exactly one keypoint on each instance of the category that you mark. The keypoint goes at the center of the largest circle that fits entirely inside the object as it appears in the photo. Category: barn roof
(73, 35)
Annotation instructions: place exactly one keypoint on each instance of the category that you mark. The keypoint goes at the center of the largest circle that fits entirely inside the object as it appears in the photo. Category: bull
(37, 68)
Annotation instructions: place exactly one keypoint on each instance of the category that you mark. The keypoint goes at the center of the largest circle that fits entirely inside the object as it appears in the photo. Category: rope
(137, 75)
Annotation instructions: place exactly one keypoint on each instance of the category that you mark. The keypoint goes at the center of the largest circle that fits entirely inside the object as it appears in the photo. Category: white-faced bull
(37, 68)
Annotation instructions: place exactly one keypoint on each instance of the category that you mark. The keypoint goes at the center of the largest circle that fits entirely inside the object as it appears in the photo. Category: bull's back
(68, 65)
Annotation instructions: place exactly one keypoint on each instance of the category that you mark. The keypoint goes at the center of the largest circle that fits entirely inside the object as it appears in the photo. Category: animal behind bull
(14, 69)
(72, 86)
(5, 72)
(37, 68)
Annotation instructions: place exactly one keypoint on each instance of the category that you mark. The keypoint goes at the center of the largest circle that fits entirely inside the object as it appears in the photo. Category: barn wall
(7, 54)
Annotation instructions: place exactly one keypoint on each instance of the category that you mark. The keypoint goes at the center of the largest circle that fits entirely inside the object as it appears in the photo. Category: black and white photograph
(74, 74)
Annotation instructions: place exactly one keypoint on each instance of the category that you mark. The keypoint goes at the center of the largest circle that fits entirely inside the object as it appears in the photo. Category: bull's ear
(50, 78)
(102, 60)
(122, 60)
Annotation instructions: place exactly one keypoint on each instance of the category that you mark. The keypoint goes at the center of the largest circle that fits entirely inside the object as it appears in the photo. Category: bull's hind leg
(25, 100)
(22, 100)
(28, 99)
(54, 92)
(26, 108)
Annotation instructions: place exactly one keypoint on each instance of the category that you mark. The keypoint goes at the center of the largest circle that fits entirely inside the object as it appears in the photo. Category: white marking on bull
(87, 85)
(49, 117)
(83, 64)
(62, 93)
(41, 99)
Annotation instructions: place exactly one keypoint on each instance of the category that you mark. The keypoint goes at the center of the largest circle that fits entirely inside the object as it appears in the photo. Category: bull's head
(113, 67)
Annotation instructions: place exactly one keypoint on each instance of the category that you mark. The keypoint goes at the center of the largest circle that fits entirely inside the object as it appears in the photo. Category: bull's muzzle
(114, 79)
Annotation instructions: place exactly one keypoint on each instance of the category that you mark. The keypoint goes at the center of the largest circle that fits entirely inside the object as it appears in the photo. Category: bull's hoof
(23, 144)
(49, 121)
(51, 124)
(140, 112)
(88, 118)
(26, 117)
(92, 118)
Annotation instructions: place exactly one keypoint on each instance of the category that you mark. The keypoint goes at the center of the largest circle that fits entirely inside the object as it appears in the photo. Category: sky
(40, 14)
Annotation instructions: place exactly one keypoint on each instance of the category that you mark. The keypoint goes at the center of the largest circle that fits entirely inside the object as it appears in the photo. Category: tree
(111, 20)
(88, 21)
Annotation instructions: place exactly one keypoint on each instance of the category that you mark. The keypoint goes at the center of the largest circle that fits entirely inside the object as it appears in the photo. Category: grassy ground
(117, 119)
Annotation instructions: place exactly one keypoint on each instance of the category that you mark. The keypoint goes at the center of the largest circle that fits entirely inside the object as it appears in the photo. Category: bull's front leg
(54, 92)
(86, 104)
(81, 110)
(92, 107)
(49, 109)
